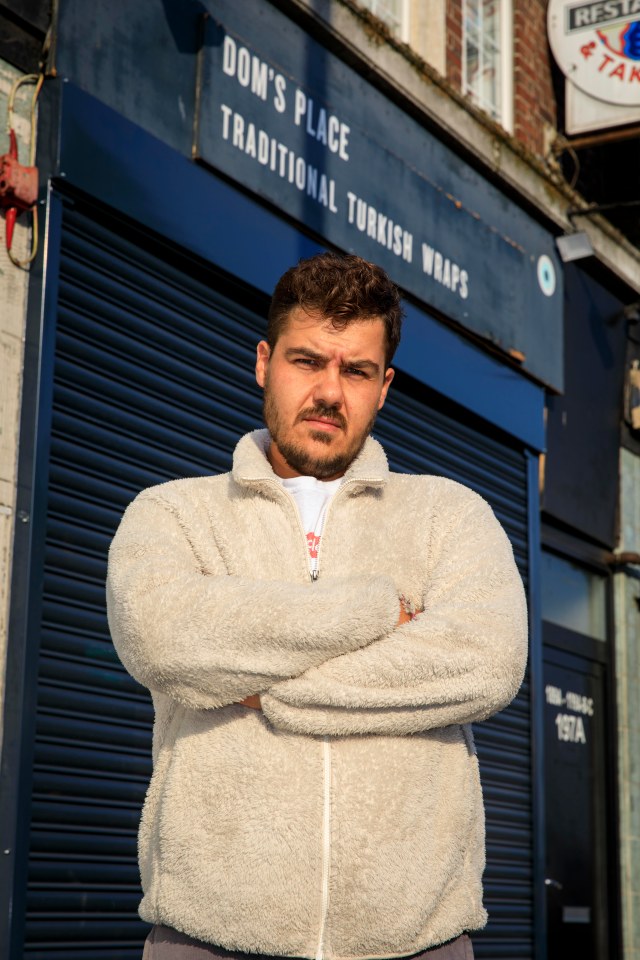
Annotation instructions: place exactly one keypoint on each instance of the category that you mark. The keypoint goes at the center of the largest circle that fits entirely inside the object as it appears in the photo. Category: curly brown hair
(342, 287)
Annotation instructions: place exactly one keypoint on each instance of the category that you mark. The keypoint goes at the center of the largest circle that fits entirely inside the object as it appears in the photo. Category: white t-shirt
(312, 497)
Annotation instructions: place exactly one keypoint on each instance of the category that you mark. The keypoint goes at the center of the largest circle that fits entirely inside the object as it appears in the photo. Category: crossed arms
(329, 658)
(253, 700)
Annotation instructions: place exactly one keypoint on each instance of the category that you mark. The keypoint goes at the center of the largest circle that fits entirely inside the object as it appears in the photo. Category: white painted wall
(13, 302)
(427, 32)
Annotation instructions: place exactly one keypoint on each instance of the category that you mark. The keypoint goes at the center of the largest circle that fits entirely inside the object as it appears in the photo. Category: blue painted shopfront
(144, 311)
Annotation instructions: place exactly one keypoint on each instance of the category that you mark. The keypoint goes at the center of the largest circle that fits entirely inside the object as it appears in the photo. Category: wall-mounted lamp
(577, 245)
(574, 246)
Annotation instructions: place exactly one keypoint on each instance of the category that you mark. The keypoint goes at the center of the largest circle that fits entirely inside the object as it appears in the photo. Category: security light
(574, 246)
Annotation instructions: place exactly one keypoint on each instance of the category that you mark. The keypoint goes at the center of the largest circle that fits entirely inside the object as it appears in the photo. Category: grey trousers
(163, 943)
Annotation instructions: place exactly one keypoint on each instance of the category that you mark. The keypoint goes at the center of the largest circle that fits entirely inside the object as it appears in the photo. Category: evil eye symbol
(546, 275)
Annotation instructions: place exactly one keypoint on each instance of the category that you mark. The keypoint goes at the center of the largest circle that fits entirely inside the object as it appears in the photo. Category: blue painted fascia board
(461, 371)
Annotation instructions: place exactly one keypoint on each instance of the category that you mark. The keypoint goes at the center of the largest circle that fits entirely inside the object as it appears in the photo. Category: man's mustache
(320, 410)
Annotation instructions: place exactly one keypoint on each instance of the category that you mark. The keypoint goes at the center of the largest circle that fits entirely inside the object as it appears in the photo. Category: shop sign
(597, 47)
(584, 113)
(294, 124)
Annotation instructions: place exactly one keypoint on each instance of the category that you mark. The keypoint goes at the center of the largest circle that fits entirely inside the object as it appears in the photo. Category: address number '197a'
(570, 728)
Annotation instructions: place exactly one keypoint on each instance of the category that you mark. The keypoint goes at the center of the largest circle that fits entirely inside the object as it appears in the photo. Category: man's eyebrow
(314, 355)
(304, 352)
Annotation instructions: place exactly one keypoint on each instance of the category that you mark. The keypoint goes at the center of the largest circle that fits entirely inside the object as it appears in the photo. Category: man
(317, 634)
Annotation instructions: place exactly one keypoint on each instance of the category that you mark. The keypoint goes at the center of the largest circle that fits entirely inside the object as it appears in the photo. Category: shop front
(143, 319)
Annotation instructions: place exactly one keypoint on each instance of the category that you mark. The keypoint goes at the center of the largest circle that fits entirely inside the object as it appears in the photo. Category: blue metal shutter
(153, 380)
(420, 437)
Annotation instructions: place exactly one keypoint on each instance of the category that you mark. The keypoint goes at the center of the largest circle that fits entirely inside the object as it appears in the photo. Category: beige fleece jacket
(346, 820)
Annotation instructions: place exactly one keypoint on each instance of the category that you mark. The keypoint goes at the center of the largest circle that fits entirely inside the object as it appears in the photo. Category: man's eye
(306, 362)
(355, 372)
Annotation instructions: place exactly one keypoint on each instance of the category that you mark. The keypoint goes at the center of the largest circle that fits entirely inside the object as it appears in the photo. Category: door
(576, 762)
(575, 712)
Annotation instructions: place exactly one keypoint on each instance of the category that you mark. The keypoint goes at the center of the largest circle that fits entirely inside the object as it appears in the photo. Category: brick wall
(534, 100)
(454, 43)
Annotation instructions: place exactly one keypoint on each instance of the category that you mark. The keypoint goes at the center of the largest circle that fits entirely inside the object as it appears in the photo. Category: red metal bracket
(18, 186)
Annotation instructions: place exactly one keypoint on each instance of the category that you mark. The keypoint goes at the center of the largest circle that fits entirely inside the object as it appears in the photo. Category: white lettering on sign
(570, 728)
(579, 703)
(253, 73)
(328, 129)
(259, 79)
(256, 75)
(379, 227)
(554, 695)
(590, 14)
(445, 271)
(573, 701)
(269, 152)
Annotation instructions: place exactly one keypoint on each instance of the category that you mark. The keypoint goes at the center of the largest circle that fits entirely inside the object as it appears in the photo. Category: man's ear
(388, 377)
(262, 362)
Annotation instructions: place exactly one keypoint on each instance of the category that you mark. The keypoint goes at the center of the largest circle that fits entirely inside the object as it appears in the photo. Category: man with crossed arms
(317, 633)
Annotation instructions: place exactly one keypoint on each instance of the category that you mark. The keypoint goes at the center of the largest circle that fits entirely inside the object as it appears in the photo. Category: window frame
(503, 109)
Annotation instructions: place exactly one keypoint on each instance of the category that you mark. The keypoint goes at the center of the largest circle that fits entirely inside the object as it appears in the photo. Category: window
(573, 597)
(487, 57)
(395, 13)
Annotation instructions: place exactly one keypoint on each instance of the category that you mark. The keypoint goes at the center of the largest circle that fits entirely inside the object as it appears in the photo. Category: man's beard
(301, 460)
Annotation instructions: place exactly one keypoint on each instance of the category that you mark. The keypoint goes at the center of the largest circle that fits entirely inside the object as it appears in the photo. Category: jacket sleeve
(459, 661)
(207, 640)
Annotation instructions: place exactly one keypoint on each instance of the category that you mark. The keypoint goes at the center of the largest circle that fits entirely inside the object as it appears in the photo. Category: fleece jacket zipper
(314, 571)
(314, 562)
(314, 566)
(326, 845)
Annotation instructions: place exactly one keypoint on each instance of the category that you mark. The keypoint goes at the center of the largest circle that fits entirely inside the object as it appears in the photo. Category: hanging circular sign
(546, 275)
(597, 47)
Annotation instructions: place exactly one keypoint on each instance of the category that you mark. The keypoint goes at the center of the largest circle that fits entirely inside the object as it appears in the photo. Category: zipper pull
(314, 575)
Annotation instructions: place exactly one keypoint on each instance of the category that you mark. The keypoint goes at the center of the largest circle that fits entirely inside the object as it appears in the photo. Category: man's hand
(405, 615)
(253, 701)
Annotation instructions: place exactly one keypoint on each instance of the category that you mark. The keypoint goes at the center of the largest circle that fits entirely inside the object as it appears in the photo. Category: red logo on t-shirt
(314, 543)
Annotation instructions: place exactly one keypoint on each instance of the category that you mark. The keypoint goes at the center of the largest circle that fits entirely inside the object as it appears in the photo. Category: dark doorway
(576, 787)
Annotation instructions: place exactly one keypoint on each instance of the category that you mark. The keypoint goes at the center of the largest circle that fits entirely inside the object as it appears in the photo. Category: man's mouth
(323, 423)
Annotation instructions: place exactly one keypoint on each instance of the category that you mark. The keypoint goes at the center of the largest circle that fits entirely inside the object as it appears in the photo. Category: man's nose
(328, 387)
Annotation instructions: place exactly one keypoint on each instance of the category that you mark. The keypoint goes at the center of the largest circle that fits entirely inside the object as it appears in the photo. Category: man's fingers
(252, 701)
(406, 613)
(405, 616)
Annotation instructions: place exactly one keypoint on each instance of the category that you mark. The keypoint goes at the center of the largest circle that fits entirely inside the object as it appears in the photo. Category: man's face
(322, 390)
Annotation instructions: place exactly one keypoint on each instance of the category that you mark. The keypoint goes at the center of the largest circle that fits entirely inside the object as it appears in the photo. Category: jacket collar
(252, 469)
